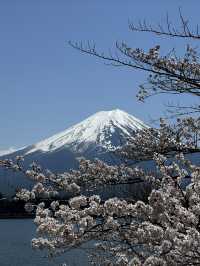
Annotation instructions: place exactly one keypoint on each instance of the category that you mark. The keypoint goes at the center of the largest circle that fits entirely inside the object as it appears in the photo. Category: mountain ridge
(95, 137)
(89, 130)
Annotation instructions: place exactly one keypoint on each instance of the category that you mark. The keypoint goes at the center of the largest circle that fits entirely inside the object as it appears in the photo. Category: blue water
(15, 248)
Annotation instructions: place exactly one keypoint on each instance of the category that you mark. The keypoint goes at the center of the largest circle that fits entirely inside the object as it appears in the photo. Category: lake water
(15, 248)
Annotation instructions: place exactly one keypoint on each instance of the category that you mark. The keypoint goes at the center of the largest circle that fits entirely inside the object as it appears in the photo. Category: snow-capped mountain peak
(97, 129)
(95, 137)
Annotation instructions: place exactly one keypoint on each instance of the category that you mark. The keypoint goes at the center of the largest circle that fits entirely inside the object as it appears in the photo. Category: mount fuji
(94, 137)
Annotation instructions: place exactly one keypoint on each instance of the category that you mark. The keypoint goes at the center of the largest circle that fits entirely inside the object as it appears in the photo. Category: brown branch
(170, 31)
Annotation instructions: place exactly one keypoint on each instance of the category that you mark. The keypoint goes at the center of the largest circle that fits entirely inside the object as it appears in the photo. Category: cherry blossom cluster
(168, 74)
(164, 231)
(183, 137)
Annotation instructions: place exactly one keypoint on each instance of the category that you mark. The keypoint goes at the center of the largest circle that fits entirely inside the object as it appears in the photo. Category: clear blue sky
(46, 86)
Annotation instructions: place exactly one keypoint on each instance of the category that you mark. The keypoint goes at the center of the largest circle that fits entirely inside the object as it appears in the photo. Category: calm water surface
(15, 248)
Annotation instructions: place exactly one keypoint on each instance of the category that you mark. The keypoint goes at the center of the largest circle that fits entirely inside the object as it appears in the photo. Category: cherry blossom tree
(169, 73)
(164, 229)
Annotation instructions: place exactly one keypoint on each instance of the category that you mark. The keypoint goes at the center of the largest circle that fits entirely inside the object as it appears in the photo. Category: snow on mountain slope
(97, 129)
(8, 151)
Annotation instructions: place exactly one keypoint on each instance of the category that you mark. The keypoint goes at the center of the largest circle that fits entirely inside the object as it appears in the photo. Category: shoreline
(16, 216)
